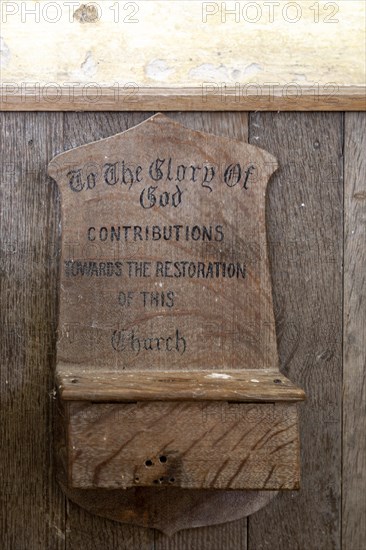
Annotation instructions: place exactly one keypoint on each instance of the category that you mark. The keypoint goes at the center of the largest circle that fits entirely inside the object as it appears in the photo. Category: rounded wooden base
(170, 509)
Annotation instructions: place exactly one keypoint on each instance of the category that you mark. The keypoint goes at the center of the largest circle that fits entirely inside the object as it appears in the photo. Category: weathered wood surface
(305, 233)
(32, 511)
(186, 508)
(164, 263)
(354, 334)
(213, 96)
(117, 234)
(183, 444)
(219, 537)
(253, 385)
(309, 519)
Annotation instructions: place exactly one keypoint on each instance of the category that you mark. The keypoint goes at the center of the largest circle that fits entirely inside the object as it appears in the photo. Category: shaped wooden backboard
(165, 296)
(164, 259)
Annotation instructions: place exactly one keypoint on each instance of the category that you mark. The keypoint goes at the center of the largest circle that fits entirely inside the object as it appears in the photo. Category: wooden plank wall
(316, 220)
(305, 222)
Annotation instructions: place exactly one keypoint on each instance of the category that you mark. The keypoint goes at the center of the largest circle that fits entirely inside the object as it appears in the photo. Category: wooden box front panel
(183, 444)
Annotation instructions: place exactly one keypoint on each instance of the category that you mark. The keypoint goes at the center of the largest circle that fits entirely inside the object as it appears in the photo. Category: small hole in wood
(137, 479)
(277, 381)
(156, 481)
(74, 381)
(149, 463)
(163, 459)
(161, 480)
(172, 480)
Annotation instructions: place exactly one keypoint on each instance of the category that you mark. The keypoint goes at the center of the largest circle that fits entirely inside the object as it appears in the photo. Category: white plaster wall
(169, 43)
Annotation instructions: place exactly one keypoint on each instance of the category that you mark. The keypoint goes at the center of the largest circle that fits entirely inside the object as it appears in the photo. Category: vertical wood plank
(32, 505)
(232, 125)
(227, 536)
(86, 531)
(354, 351)
(305, 225)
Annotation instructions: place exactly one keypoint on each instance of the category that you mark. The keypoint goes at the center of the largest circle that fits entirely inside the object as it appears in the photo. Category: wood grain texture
(354, 350)
(225, 125)
(32, 505)
(151, 507)
(305, 229)
(215, 96)
(310, 356)
(183, 444)
(232, 535)
(220, 314)
(83, 384)
(87, 531)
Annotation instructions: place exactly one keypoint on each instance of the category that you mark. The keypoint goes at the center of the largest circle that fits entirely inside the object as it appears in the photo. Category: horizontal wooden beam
(77, 384)
(213, 97)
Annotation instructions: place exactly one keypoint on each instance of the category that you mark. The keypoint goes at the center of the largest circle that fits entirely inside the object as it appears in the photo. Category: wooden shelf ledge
(83, 384)
(330, 97)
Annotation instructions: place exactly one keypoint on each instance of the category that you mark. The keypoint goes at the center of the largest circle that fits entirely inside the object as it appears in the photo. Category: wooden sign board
(165, 297)
(164, 262)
